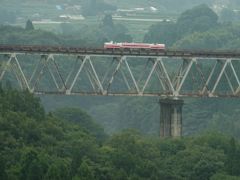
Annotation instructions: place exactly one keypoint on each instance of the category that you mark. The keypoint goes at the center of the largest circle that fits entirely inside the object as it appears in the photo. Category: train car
(125, 45)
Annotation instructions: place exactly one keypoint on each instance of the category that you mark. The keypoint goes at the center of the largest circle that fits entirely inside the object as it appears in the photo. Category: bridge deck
(118, 52)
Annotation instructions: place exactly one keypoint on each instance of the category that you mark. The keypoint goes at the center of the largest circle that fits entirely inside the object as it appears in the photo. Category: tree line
(69, 144)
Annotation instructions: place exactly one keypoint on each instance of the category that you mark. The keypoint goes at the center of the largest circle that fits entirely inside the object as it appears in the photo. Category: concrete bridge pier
(171, 117)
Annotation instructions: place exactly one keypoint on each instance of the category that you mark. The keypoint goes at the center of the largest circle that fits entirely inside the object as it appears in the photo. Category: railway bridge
(167, 74)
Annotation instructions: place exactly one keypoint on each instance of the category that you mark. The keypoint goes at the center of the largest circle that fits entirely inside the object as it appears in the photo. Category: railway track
(5, 49)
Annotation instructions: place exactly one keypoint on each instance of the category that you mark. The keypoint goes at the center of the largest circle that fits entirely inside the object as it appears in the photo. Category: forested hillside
(197, 28)
(87, 36)
(68, 144)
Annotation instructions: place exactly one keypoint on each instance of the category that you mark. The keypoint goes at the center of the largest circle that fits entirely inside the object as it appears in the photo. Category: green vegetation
(68, 144)
(29, 25)
(197, 28)
(198, 19)
(87, 36)
(48, 15)
(94, 7)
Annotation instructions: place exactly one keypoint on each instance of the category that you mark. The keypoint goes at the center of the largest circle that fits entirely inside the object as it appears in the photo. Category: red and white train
(125, 45)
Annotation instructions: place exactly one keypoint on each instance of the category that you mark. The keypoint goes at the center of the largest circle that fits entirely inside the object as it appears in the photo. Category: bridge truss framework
(128, 73)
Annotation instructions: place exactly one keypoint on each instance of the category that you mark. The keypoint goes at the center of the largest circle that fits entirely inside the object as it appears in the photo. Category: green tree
(58, 170)
(85, 171)
(162, 33)
(233, 158)
(95, 7)
(113, 32)
(227, 15)
(3, 174)
(108, 21)
(29, 25)
(81, 118)
(31, 167)
(223, 176)
(198, 19)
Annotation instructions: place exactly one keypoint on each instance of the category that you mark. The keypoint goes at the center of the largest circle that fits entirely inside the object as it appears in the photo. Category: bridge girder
(121, 75)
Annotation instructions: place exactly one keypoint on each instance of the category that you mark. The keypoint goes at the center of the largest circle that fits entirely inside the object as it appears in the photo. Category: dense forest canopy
(197, 28)
(68, 144)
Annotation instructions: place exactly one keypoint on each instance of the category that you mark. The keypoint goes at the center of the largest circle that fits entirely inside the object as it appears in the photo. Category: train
(126, 45)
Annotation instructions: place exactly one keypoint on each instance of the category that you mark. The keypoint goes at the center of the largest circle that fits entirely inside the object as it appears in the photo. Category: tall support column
(170, 117)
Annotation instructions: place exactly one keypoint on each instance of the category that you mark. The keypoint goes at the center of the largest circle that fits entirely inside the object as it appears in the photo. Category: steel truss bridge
(139, 72)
